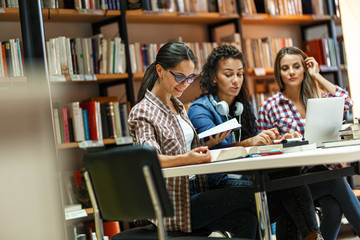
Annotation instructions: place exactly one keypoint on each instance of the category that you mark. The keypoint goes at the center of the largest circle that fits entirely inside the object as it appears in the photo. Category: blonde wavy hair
(309, 87)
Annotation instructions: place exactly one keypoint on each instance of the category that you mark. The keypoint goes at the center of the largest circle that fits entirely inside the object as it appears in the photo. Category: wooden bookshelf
(268, 71)
(62, 15)
(71, 145)
(267, 19)
(139, 16)
(138, 76)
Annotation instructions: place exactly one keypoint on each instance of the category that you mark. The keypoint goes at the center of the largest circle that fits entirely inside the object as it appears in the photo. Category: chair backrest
(119, 184)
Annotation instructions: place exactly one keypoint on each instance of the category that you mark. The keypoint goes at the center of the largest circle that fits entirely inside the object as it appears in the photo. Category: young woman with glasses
(159, 119)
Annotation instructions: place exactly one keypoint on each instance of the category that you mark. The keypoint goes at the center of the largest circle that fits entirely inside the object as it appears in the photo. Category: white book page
(228, 125)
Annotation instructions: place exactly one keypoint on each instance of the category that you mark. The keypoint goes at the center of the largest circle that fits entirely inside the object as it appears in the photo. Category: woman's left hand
(312, 66)
(218, 138)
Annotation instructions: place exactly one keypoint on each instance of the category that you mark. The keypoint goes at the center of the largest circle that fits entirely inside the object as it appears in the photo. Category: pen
(274, 152)
(288, 140)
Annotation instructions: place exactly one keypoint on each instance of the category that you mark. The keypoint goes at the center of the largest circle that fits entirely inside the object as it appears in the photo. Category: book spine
(86, 124)
(117, 119)
(4, 60)
(105, 126)
(92, 119)
(65, 122)
(110, 115)
(8, 59)
(57, 125)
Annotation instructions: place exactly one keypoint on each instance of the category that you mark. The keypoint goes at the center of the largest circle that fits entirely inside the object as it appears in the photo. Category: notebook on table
(324, 118)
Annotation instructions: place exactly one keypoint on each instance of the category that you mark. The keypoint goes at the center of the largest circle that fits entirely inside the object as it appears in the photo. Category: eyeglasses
(180, 78)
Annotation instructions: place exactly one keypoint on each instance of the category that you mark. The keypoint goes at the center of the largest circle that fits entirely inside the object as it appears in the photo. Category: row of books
(284, 7)
(142, 55)
(72, 4)
(95, 119)
(93, 4)
(261, 52)
(9, 3)
(323, 50)
(182, 6)
(93, 55)
(11, 59)
(15, 3)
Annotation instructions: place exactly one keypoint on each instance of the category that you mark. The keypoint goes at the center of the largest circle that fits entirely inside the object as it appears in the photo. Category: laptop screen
(323, 119)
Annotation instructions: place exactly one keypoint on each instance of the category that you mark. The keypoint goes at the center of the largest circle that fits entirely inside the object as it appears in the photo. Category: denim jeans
(292, 209)
(336, 197)
(225, 208)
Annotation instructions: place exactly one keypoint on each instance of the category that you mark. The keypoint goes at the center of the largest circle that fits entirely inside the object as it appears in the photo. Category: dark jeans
(336, 198)
(224, 208)
(292, 208)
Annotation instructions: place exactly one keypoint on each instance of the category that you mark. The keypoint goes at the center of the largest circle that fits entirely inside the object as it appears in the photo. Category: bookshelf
(147, 27)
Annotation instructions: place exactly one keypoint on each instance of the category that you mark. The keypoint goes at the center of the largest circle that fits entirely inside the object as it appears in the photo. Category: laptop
(324, 118)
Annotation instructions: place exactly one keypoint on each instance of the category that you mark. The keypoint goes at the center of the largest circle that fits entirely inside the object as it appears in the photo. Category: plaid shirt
(152, 122)
(278, 111)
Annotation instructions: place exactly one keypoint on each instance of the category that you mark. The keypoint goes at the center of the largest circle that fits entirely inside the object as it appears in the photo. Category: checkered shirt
(278, 111)
(152, 122)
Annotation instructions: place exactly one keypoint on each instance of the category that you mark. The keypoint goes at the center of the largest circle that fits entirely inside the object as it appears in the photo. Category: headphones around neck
(223, 108)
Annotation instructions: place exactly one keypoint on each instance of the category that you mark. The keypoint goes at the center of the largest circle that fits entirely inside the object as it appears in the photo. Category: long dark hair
(309, 87)
(208, 86)
(168, 56)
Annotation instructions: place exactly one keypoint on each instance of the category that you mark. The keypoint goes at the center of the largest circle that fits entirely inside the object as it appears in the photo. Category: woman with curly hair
(225, 96)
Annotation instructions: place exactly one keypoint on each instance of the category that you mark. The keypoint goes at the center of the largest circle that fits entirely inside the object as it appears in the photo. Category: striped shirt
(152, 122)
(280, 112)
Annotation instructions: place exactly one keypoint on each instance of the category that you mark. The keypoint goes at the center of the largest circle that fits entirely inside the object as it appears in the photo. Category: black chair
(125, 184)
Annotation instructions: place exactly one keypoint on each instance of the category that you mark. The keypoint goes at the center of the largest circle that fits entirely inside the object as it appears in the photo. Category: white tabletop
(304, 158)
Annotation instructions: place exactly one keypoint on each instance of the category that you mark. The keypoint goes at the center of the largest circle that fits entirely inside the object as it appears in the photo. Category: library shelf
(139, 16)
(252, 71)
(89, 210)
(62, 15)
(267, 19)
(100, 78)
(138, 76)
(108, 141)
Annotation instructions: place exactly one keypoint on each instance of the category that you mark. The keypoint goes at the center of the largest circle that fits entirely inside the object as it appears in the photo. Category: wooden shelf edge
(89, 210)
(139, 16)
(268, 71)
(62, 15)
(72, 145)
(264, 18)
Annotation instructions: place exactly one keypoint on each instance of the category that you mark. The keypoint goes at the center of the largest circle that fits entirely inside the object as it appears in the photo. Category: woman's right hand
(264, 137)
(199, 155)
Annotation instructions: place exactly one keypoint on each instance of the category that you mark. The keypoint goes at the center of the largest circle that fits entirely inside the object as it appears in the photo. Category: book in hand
(232, 124)
(342, 142)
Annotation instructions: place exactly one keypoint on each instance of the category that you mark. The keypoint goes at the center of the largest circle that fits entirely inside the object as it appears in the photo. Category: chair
(125, 184)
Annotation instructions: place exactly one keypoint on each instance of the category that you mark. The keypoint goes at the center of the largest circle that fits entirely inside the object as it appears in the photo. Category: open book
(232, 124)
(263, 150)
(240, 152)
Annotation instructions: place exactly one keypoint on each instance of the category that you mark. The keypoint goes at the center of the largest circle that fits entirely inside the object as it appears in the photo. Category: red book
(4, 59)
(314, 48)
(110, 228)
(90, 106)
(65, 123)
